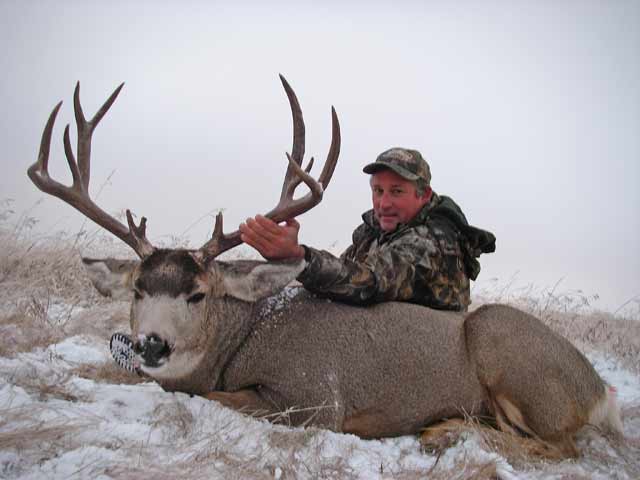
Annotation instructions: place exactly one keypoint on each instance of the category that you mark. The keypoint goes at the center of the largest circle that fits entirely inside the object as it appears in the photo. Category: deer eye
(195, 298)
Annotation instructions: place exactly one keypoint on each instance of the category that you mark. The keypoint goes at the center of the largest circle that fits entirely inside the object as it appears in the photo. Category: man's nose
(385, 201)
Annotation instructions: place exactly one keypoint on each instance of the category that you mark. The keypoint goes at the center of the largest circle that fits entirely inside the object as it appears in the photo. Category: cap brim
(376, 167)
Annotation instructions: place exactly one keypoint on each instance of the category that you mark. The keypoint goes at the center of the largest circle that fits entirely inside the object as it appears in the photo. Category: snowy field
(66, 410)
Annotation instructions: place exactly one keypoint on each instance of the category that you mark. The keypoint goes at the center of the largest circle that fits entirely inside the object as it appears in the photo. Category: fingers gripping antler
(288, 207)
(77, 195)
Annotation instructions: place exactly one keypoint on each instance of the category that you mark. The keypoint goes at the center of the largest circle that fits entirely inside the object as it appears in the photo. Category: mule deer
(232, 332)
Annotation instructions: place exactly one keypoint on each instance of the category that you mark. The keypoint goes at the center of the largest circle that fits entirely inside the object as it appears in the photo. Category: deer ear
(253, 280)
(111, 277)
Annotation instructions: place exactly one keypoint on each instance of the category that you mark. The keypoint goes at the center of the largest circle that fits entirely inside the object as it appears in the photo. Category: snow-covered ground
(67, 411)
(59, 422)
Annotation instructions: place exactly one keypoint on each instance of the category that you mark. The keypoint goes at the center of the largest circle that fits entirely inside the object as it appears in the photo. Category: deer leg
(364, 425)
(245, 401)
(508, 416)
(440, 436)
(371, 424)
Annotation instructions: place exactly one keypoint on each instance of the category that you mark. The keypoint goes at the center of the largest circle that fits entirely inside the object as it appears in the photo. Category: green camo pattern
(427, 261)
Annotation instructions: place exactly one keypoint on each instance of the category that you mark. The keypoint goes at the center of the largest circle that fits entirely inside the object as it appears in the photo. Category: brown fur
(246, 401)
(541, 375)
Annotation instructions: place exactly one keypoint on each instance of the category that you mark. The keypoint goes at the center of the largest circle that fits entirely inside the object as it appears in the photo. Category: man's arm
(405, 269)
(390, 273)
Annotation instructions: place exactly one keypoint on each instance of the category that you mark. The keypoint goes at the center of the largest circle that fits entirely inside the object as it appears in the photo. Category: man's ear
(253, 280)
(111, 277)
(426, 196)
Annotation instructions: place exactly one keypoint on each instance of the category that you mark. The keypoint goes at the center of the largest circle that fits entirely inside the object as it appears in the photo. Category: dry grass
(100, 321)
(462, 469)
(603, 453)
(39, 271)
(32, 430)
(23, 333)
(519, 451)
(43, 270)
(55, 385)
(571, 315)
(44, 289)
(109, 373)
(467, 470)
(614, 336)
(542, 302)
(23, 427)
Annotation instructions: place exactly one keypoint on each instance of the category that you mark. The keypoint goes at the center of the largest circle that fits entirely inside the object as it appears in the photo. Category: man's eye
(137, 295)
(195, 298)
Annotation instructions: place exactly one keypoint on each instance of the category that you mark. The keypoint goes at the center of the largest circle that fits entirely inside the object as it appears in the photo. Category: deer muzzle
(153, 350)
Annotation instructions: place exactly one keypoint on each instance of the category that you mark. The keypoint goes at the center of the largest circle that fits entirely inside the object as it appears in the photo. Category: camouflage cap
(407, 163)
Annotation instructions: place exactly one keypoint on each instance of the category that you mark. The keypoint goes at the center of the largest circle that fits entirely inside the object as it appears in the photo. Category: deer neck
(227, 324)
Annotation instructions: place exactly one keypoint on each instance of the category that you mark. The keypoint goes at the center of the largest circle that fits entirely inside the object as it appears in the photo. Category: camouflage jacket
(429, 260)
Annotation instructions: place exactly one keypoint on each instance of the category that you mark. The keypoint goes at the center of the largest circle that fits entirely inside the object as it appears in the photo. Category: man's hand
(273, 241)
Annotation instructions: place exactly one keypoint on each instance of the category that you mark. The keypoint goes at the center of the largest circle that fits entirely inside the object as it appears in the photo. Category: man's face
(395, 199)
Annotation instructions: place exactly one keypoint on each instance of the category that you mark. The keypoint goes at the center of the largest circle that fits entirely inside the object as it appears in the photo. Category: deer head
(181, 297)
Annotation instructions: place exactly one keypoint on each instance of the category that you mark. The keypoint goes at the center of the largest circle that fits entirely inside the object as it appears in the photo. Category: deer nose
(152, 349)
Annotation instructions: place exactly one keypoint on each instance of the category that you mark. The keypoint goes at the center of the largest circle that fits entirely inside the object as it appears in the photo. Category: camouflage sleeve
(389, 273)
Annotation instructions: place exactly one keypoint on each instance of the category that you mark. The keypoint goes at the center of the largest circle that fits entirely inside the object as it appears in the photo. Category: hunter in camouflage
(413, 246)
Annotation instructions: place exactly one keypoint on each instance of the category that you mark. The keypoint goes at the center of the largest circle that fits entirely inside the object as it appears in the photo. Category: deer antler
(287, 207)
(77, 195)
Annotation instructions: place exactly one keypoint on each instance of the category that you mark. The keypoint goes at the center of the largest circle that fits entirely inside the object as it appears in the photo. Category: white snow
(80, 349)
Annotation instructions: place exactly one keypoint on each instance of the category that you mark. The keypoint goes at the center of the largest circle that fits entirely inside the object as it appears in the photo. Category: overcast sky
(527, 111)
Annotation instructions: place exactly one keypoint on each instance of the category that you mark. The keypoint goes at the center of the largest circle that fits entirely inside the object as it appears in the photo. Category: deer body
(228, 330)
(383, 370)
(352, 362)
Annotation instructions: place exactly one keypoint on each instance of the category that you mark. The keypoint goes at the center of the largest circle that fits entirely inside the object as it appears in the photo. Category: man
(414, 245)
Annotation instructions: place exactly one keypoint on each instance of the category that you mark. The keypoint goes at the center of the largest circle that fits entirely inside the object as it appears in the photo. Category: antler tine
(302, 176)
(298, 146)
(139, 234)
(85, 131)
(288, 207)
(42, 164)
(289, 186)
(220, 242)
(77, 195)
(334, 151)
(73, 166)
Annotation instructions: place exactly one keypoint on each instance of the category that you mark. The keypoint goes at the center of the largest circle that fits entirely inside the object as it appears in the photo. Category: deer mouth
(152, 351)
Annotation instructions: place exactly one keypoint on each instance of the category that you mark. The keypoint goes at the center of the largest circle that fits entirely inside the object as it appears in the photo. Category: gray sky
(528, 112)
